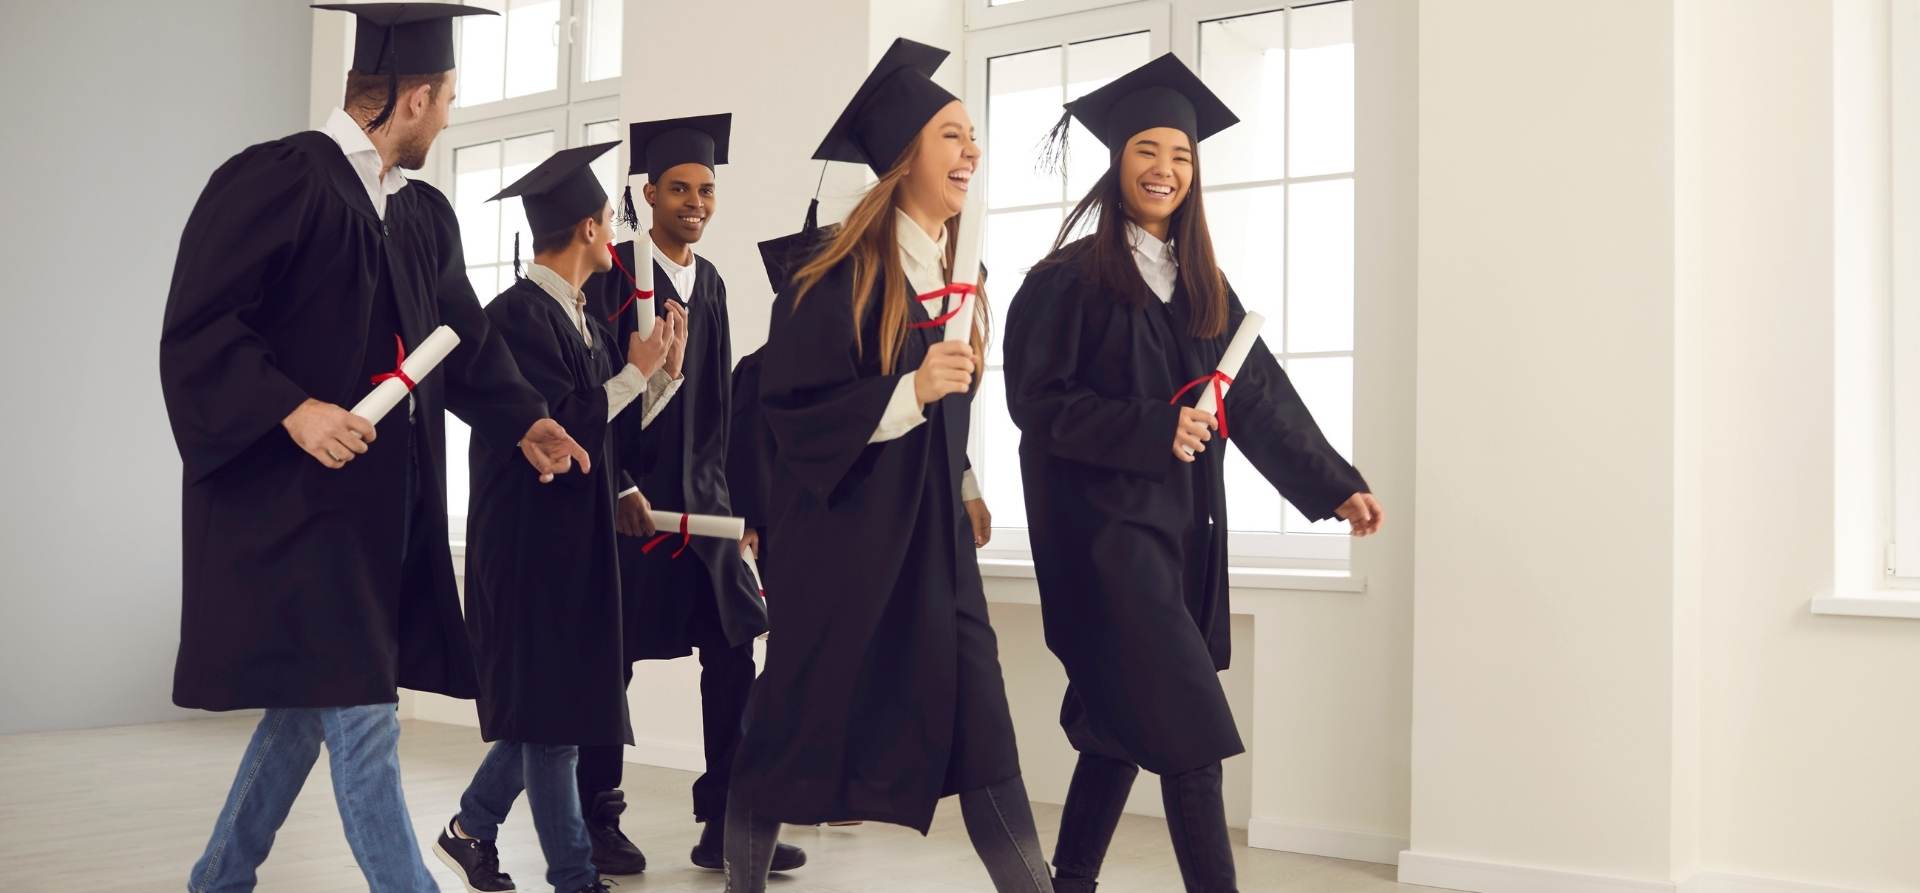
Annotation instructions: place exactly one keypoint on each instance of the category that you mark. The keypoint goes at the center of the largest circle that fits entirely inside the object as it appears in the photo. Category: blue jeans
(362, 751)
(546, 773)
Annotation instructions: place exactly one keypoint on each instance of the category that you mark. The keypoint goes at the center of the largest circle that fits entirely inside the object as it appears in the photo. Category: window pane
(457, 473)
(1247, 230)
(1252, 504)
(606, 167)
(1321, 132)
(1326, 385)
(533, 46)
(999, 471)
(1090, 66)
(1016, 240)
(476, 175)
(483, 56)
(601, 39)
(521, 153)
(1024, 97)
(1244, 60)
(1320, 274)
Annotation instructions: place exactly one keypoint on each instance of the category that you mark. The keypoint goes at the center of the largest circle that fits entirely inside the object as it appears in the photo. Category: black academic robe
(543, 580)
(294, 591)
(882, 689)
(679, 463)
(749, 447)
(1129, 543)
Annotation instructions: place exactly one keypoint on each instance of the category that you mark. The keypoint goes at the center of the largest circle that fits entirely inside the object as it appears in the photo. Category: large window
(541, 76)
(1279, 189)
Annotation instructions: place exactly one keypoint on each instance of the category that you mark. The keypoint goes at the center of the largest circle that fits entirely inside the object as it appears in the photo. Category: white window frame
(1171, 25)
(570, 86)
(1903, 552)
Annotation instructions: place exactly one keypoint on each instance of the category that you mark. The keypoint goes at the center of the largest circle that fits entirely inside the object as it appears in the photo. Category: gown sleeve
(223, 391)
(1270, 424)
(749, 454)
(1046, 324)
(484, 386)
(819, 406)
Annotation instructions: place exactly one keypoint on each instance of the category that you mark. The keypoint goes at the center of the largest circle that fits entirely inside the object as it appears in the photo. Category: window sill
(1895, 603)
(1296, 579)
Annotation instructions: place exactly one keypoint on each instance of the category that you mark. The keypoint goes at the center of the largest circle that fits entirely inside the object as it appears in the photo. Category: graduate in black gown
(317, 578)
(704, 598)
(543, 582)
(1125, 495)
(882, 691)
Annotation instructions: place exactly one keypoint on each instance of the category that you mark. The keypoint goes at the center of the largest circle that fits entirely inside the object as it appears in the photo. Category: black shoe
(613, 853)
(1073, 885)
(710, 853)
(475, 862)
(598, 886)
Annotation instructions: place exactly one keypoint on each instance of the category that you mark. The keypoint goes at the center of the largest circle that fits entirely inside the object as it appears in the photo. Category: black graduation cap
(402, 38)
(559, 192)
(887, 112)
(785, 256)
(655, 146)
(1161, 93)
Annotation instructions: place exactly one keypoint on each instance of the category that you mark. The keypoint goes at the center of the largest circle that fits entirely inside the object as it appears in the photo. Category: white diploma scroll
(643, 280)
(1230, 363)
(753, 567)
(699, 525)
(388, 394)
(966, 255)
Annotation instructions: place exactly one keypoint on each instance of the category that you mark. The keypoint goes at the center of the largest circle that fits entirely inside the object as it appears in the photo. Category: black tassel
(389, 52)
(516, 255)
(813, 217)
(628, 217)
(1052, 149)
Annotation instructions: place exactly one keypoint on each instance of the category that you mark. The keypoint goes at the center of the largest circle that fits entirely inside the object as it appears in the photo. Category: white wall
(1542, 727)
(115, 118)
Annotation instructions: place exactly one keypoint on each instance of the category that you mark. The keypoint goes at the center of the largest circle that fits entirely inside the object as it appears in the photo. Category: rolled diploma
(1236, 355)
(388, 394)
(753, 567)
(643, 279)
(966, 255)
(700, 525)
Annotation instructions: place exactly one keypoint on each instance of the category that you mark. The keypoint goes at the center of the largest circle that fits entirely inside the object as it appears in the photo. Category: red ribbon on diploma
(1220, 381)
(958, 288)
(686, 539)
(638, 293)
(399, 366)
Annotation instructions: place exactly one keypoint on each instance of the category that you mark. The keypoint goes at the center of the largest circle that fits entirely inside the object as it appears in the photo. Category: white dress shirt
(626, 385)
(925, 261)
(365, 160)
(1155, 260)
(681, 277)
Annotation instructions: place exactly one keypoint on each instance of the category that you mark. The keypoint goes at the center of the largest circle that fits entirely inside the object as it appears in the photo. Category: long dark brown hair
(1108, 256)
(868, 236)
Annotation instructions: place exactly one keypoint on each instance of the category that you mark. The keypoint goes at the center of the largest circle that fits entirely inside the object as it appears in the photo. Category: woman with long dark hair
(882, 690)
(1126, 501)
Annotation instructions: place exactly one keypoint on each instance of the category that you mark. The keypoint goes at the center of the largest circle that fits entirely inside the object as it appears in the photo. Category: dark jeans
(999, 822)
(726, 679)
(1196, 819)
(545, 773)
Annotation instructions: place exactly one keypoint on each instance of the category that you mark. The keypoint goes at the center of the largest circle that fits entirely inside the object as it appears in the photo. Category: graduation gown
(294, 591)
(680, 463)
(1129, 543)
(882, 689)
(749, 448)
(543, 579)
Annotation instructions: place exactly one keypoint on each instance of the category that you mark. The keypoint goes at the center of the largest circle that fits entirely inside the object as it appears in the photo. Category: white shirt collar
(571, 299)
(1155, 259)
(924, 258)
(365, 159)
(682, 276)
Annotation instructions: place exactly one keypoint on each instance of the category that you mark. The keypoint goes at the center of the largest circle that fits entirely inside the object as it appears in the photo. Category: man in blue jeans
(317, 578)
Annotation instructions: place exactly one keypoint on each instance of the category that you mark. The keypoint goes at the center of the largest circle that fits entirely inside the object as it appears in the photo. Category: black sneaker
(613, 853)
(710, 853)
(475, 862)
(601, 885)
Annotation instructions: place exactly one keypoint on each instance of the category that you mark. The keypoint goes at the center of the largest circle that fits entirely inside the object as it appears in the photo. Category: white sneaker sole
(459, 873)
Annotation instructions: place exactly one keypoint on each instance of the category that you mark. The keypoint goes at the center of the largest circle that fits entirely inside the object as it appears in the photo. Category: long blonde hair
(868, 236)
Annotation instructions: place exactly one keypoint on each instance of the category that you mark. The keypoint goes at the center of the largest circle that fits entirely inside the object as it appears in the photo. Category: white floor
(128, 809)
